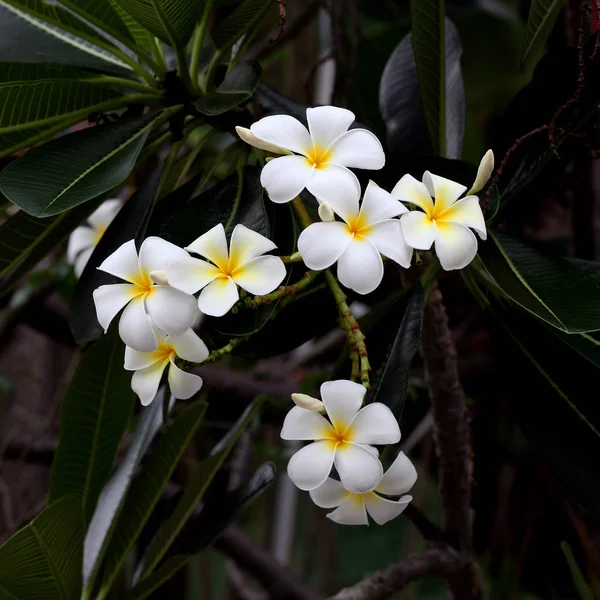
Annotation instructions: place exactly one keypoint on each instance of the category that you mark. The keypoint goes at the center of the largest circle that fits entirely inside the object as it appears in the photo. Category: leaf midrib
(49, 560)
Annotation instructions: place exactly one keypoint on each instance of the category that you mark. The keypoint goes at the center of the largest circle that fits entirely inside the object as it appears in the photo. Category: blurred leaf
(25, 240)
(542, 15)
(274, 103)
(112, 498)
(194, 491)
(549, 287)
(237, 87)
(583, 589)
(130, 223)
(43, 560)
(94, 417)
(401, 105)
(74, 168)
(199, 533)
(148, 486)
(172, 21)
(390, 380)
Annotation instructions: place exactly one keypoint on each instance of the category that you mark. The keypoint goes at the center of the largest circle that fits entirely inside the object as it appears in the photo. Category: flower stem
(301, 212)
(283, 291)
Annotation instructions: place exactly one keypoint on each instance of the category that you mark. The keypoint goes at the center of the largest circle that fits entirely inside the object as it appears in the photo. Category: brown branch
(281, 583)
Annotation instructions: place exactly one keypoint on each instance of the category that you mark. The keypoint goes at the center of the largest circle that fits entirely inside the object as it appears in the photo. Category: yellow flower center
(98, 233)
(318, 157)
(143, 282)
(164, 352)
(339, 436)
(358, 226)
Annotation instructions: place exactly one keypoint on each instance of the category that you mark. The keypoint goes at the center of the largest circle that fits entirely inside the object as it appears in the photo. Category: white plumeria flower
(444, 222)
(243, 265)
(322, 157)
(146, 293)
(149, 366)
(84, 239)
(358, 243)
(343, 441)
(352, 509)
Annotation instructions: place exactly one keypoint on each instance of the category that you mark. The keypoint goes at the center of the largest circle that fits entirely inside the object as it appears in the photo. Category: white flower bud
(247, 136)
(159, 277)
(326, 212)
(486, 166)
(308, 402)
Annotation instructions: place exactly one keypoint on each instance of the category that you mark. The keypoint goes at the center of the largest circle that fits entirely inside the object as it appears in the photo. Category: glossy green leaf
(549, 287)
(148, 486)
(390, 379)
(166, 19)
(130, 223)
(542, 15)
(427, 21)
(137, 31)
(43, 560)
(17, 140)
(194, 491)
(94, 416)
(25, 240)
(75, 167)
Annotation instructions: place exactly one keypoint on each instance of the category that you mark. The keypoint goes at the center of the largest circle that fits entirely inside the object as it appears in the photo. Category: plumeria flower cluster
(346, 440)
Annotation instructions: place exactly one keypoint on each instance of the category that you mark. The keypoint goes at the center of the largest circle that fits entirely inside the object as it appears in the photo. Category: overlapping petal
(285, 177)
(399, 478)
(455, 245)
(135, 360)
(81, 239)
(260, 275)
(333, 183)
(466, 212)
(102, 217)
(188, 346)
(218, 297)
(247, 244)
(183, 385)
(81, 260)
(190, 274)
(330, 494)
(357, 148)
(123, 263)
(445, 191)
(212, 245)
(383, 510)
(409, 189)
(172, 310)
(321, 244)
(135, 327)
(145, 382)
(350, 512)
(342, 399)
(379, 205)
(110, 299)
(388, 238)
(157, 254)
(375, 424)
(360, 267)
(418, 229)
(304, 424)
(359, 470)
(327, 123)
(283, 131)
(311, 465)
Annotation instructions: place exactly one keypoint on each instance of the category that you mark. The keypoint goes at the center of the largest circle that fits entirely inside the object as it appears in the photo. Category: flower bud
(486, 166)
(308, 402)
(247, 136)
(326, 212)
(159, 277)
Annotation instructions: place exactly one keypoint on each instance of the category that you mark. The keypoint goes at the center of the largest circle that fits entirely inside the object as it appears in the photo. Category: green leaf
(583, 589)
(75, 167)
(427, 21)
(194, 491)
(200, 532)
(137, 32)
(148, 486)
(549, 287)
(163, 17)
(390, 381)
(542, 15)
(113, 495)
(25, 240)
(237, 87)
(244, 18)
(94, 417)
(43, 560)
(130, 223)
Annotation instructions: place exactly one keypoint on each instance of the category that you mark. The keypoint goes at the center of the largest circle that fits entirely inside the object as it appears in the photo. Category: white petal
(342, 399)
(359, 149)
(337, 186)
(486, 166)
(172, 310)
(82, 238)
(388, 238)
(378, 204)
(359, 470)
(371, 449)
(360, 267)
(102, 217)
(135, 360)
(188, 346)
(135, 327)
(212, 245)
(311, 465)
(375, 424)
(321, 244)
(383, 510)
(418, 229)
(308, 402)
(455, 246)
(183, 385)
(247, 136)
(261, 275)
(283, 131)
(399, 478)
(351, 512)
(123, 263)
(246, 245)
(327, 123)
(191, 274)
(409, 189)
(330, 494)
(82, 260)
(285, 177)
(110, 299)
(326, 212)
(445, 191)
(218, 297)
(303, 424)
(466, 212)
(145, 382)
(157, 254)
